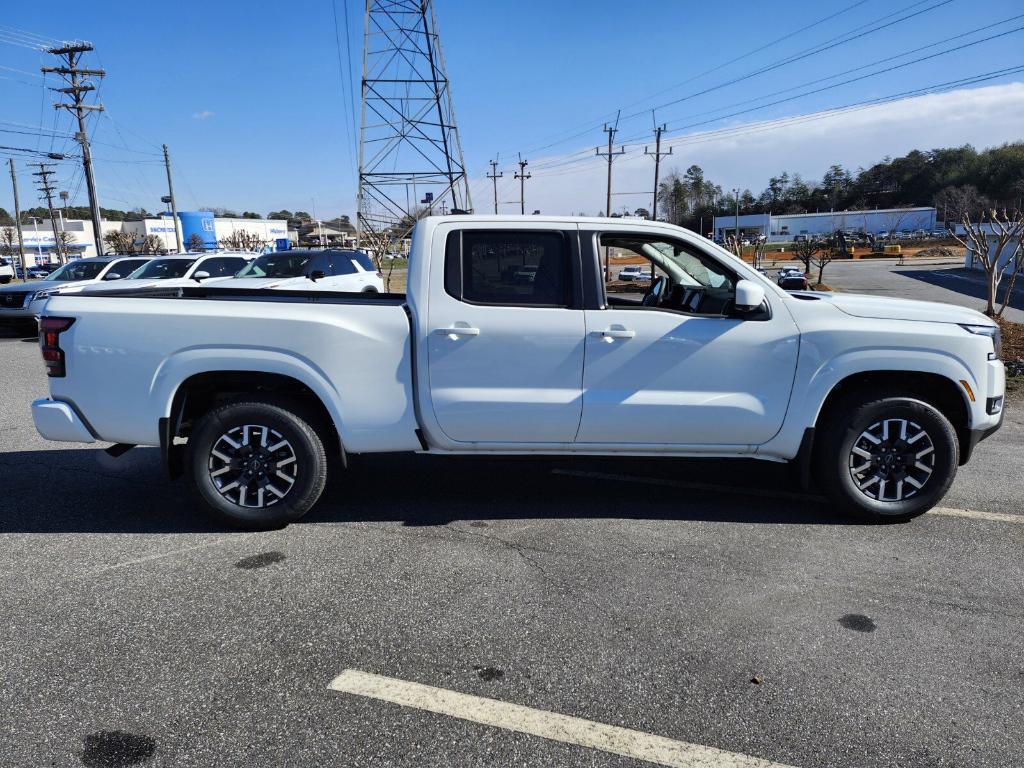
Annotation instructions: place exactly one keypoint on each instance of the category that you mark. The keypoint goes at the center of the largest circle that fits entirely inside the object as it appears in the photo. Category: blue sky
(250, 100)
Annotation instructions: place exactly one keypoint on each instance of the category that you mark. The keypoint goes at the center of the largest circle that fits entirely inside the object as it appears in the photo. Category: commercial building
(784, 228)
(41, 247)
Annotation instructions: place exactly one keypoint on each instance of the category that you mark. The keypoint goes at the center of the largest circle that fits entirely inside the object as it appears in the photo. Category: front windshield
(159, 269)
(78, 270)
(277, 265)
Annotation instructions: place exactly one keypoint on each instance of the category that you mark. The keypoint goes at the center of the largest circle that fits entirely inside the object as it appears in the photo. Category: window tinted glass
(364, 261)
(222, 266)
(517, 268)
(341, 264)
(160, 269)
(287, 264)
(125, 267)
(78, 270)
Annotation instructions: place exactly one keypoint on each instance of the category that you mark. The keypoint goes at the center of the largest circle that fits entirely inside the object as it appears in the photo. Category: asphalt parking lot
(696, 604)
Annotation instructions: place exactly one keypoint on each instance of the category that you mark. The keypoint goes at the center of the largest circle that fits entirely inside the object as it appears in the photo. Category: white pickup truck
(251, 393)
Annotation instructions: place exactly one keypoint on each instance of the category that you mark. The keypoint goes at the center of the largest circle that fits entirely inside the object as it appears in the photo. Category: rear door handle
(618, 333)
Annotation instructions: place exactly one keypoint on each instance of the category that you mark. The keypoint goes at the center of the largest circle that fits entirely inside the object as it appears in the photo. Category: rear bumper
(57, 420)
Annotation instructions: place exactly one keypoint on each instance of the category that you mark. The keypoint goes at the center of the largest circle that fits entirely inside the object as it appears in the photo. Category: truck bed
(352, 349)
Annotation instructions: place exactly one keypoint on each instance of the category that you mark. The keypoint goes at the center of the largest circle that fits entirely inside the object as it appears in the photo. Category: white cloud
(983, 117)
(204, 115)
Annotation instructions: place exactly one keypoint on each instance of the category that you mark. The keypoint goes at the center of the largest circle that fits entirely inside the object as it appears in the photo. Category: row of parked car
(318, 270)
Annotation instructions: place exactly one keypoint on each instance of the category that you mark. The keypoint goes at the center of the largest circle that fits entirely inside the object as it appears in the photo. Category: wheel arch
(945, 394)
(200, 392)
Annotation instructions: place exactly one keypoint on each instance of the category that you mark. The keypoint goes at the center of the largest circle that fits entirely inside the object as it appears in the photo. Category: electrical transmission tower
(46, 193)
(410, 155)
(77, 87)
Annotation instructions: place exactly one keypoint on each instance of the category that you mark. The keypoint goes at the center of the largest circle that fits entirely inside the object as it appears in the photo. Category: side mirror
(316, 274)
(200, 275)
(749, 296)
(112, 276)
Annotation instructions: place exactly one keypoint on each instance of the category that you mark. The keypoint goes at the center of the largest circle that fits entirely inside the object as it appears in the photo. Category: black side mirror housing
(316, 274)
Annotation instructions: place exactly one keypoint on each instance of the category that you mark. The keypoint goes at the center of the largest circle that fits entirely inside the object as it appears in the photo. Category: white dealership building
(40, 244)
(783, 228)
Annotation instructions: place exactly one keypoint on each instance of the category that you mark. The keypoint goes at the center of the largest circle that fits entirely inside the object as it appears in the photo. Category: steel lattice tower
(410, 156)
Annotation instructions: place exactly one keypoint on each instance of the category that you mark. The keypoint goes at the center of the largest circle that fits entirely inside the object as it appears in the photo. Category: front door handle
(458, 330)
(618, 333)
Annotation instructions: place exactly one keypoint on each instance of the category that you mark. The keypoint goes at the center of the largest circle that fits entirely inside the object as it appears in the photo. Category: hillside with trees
(917, 178)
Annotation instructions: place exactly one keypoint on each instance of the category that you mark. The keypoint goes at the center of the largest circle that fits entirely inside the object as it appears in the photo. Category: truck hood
(884, 308)
(41, 285)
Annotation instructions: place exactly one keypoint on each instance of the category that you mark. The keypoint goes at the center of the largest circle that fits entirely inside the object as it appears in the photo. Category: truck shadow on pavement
(85, 490)
(966, 282)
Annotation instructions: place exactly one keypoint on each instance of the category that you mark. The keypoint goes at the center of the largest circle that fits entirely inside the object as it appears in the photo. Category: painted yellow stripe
(547, 725)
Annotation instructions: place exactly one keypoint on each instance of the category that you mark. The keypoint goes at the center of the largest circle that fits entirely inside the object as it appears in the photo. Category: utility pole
(494, 176)
(46, 189)
(170, 194)
(522, 184)
(17, 221)
(611, 155)
(657, 155)
(76, 89)
(739, 248)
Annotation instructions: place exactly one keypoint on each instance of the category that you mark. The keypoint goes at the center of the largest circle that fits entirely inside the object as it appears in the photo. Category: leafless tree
(993, 237)
(195, 243)
(806, 251)
(65, 240)
(120, 242)
(243, 240)
(152, 244)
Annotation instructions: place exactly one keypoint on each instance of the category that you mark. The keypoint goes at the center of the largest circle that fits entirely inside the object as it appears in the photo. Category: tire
(887, 458)
(229, 460)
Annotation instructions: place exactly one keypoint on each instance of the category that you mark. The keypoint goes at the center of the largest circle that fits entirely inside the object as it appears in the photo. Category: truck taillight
(50, 329)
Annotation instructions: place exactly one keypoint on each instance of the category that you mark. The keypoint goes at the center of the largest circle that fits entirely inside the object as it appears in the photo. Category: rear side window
(341, 264)
(364, 261)
(508, 268)
(222, 266)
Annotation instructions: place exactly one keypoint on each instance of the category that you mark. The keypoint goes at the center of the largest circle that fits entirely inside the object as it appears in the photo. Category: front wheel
(256, 464)
(886, 459)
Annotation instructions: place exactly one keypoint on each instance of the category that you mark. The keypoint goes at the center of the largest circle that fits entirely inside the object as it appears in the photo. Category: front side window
(687, 279)
(508, 268)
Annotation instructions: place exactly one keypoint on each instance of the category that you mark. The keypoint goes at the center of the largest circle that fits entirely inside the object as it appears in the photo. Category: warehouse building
(784, 228)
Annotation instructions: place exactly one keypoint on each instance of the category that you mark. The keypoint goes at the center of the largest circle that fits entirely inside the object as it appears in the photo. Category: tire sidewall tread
(297, 426)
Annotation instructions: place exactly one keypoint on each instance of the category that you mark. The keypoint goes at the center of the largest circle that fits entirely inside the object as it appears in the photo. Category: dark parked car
(793, 282)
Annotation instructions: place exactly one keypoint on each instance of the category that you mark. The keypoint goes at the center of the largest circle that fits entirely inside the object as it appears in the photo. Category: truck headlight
(993, 332)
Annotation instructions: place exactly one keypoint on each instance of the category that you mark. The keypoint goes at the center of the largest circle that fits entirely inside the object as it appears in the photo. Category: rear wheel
(888, 458)
(256, 464)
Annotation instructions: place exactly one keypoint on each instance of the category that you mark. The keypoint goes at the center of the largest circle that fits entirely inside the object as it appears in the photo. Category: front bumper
(57, 420)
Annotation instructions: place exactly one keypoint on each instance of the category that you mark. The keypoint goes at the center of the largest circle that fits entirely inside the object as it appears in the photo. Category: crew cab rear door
(687, 371)
(505, 333)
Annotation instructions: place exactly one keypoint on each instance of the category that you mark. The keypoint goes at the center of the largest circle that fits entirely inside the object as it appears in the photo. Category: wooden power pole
(77, 87)
(17, 222)
(611, 154)
(494, 176)
(522, 176)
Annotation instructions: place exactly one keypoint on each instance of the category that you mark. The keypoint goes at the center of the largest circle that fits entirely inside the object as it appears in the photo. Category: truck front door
(678, 366)
(505, 334)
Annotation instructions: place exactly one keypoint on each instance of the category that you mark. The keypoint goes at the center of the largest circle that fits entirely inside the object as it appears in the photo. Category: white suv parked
(308, 270)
